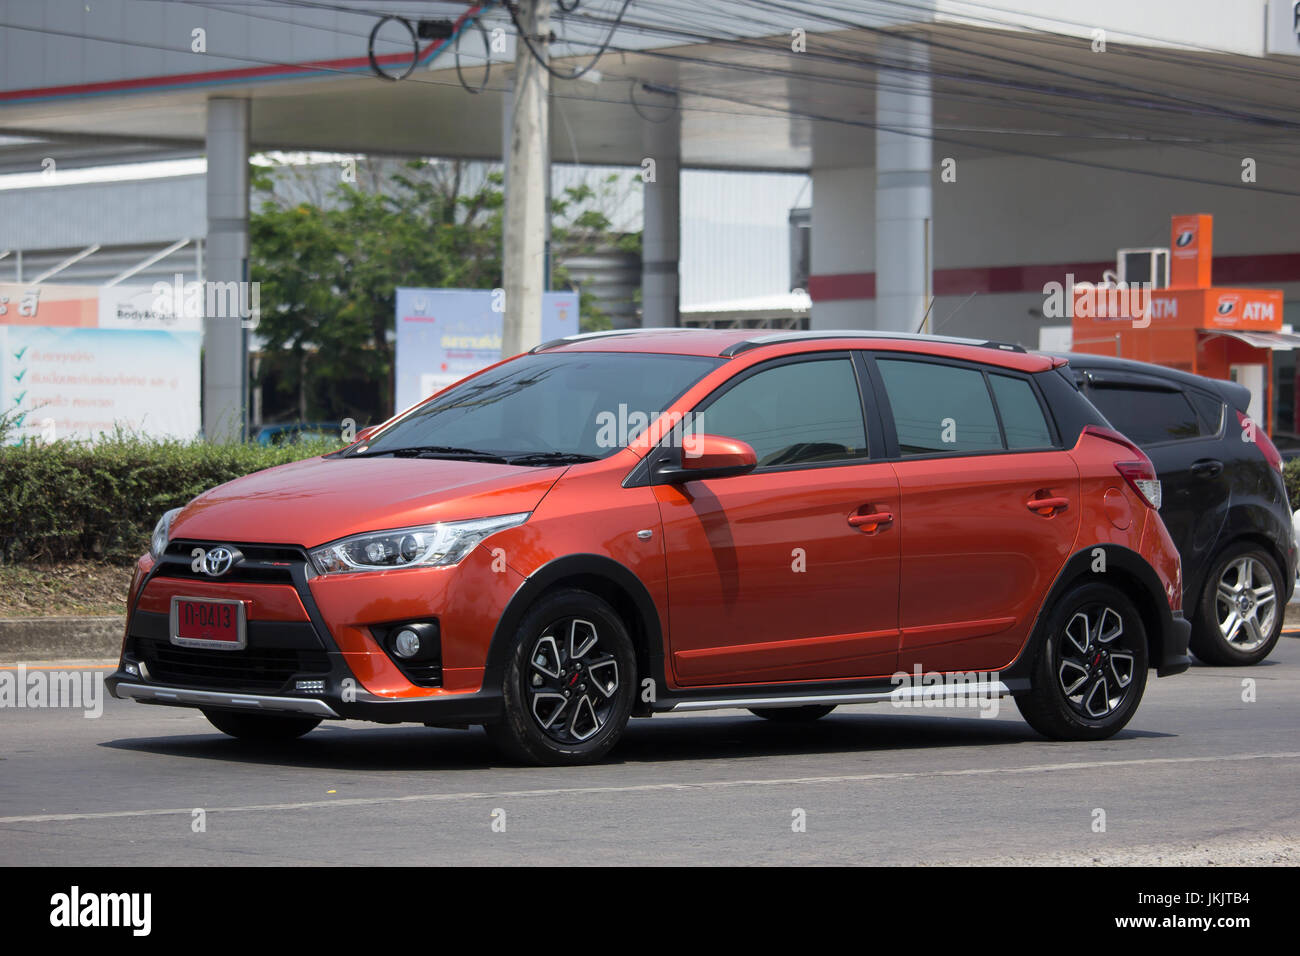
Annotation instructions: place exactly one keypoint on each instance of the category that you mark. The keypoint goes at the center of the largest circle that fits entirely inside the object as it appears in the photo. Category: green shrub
(69, 500)
(1291, 473)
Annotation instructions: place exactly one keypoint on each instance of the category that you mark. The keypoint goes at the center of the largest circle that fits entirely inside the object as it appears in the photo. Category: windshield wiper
(551, 458)
(434, 451)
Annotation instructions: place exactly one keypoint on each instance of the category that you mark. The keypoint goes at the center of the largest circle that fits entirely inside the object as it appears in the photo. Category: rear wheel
(260, 727)
(1239, 617)
(793, 715)
(569, 682)
(1091, 666)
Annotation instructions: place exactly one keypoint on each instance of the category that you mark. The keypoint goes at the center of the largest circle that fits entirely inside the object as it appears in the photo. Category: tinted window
(798, 413)
(1210, 408)
(1147, 415)
(1022, 416)
(939, 408)
(587, 403)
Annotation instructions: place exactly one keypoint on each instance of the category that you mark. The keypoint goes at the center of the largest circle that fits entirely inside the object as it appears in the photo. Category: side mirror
(708, 456)
(365, 434)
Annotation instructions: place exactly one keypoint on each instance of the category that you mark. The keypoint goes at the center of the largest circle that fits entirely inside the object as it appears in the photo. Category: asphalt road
(1200, 776)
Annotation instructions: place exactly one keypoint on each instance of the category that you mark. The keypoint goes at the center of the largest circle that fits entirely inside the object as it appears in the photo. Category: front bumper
(294, 662)
(452, 709)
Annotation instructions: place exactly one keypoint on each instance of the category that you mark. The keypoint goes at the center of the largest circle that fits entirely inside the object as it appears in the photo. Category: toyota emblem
(217, 561)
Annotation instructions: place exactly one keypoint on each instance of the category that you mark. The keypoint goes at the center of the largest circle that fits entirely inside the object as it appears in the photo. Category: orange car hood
(318, 500)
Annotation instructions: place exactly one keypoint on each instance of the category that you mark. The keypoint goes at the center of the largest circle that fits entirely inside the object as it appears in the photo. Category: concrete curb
(61, 638)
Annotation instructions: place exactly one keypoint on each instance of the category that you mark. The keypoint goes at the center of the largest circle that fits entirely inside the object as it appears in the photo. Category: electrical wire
(542, 60)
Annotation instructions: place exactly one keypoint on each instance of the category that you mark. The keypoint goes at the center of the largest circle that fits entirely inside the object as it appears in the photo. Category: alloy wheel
(1245, 603)
(1096, 663)
(572, 682)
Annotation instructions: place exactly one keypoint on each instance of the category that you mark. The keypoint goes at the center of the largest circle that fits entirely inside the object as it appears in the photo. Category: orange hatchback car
(620, 524)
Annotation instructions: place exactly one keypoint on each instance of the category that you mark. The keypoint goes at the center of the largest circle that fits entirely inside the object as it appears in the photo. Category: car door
(782, 574)
(1180, 431)
(989, 508)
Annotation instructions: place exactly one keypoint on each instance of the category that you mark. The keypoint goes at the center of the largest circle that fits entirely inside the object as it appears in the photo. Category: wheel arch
(1126, 570)
(609, 580)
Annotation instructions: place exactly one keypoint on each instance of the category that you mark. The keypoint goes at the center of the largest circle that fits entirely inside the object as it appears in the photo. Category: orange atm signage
(1191, 252)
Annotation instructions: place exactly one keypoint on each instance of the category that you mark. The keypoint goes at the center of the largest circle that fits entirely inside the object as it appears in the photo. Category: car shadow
(366, 748)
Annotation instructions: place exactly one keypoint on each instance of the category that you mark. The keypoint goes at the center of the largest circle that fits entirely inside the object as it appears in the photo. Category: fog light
(406, 644)
(310, 686)
(132, 670)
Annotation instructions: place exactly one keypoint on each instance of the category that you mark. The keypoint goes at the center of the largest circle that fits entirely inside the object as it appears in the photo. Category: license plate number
(208, 622)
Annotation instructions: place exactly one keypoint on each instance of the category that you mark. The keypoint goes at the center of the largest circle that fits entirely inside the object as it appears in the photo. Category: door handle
(1047, 506)
(872, 522)
(1207, 468)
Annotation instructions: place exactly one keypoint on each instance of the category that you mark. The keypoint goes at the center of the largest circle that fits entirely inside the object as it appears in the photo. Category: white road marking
(649, 787)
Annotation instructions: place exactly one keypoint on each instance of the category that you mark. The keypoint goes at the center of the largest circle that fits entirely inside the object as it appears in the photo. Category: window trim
(891, 430)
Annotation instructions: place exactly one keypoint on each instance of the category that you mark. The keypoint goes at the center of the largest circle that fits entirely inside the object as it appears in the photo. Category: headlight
(161, 532)
(433, 545)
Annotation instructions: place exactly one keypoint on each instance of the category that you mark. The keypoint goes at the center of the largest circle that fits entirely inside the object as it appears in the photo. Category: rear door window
(939, 409)
(1022, 415)
(1147, 415)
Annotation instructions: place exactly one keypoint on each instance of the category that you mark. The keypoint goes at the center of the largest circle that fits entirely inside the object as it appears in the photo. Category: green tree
(330, 256)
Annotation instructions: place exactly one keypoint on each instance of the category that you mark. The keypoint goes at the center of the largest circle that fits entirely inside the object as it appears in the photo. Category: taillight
(1141, 477)
(1252, 432)
(1138, 472)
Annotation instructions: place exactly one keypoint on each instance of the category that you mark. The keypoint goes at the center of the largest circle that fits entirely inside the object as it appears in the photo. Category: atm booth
(1159, 306)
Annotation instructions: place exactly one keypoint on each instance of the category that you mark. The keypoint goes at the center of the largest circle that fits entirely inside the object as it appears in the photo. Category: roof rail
(585, 336)
(776, 338)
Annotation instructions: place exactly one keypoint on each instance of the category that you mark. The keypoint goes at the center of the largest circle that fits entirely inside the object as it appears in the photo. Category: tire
(1090, 668)
(570, 641)
(793, 715)
(260, 727)
(1221, 634)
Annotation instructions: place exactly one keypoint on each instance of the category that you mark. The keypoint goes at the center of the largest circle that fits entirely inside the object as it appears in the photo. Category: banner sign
(445, 334)
(77, 361)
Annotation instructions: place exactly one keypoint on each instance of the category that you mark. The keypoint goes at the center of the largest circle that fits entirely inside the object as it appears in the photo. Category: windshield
(568, 405)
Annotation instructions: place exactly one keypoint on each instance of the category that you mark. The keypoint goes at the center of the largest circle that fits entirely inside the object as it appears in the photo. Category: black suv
(1225, 503)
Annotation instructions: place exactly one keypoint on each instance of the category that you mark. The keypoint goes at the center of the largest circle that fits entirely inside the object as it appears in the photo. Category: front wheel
(1091, 666)
(265, 728)
(1239, 617)
(569, 683)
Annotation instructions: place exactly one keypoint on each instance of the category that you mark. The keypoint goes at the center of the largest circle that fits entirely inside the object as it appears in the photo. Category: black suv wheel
(1239, 616)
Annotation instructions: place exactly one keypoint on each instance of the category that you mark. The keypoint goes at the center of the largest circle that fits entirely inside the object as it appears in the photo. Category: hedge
(69, 500)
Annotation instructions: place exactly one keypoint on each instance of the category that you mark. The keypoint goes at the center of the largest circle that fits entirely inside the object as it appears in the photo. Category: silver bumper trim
(902, 695)
(217, 698)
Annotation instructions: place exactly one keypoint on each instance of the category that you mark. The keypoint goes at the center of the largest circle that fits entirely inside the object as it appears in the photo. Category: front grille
(261, 564)
(267, 668)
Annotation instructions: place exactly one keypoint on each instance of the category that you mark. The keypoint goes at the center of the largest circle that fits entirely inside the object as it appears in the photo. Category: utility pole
(527, 174)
